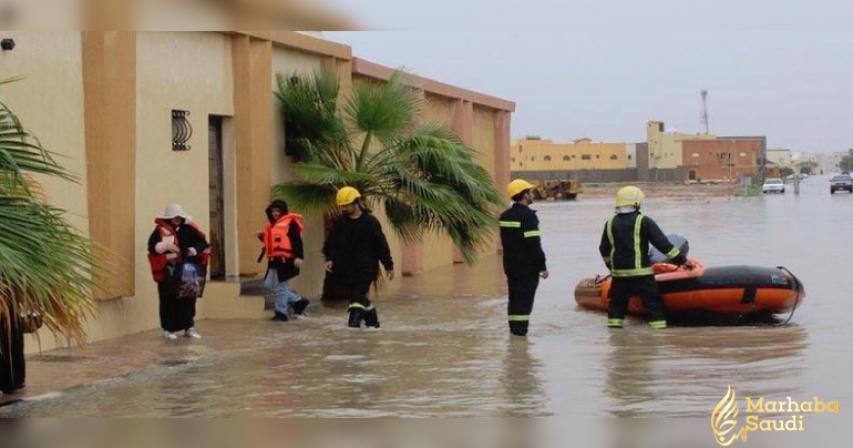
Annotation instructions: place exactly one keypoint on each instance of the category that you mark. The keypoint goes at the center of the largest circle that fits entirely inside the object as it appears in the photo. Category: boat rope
(800, 291)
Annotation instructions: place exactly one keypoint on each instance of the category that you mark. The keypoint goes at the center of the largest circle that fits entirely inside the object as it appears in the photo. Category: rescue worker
(523, 258)
(625, 250)
(282, 238)
(353, 250)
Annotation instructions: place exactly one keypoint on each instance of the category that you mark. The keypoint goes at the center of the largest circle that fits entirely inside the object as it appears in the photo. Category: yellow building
(535, 154)
(107, 102)
(665, 150)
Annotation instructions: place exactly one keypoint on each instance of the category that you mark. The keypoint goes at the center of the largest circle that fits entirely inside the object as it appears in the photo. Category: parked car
(841, 182)
(773, 185)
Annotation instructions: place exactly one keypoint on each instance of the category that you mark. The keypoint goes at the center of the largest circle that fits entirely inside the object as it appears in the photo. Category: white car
(773, 185)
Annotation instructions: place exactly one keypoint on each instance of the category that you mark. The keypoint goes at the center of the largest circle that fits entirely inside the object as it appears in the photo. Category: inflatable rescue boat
(739, 290)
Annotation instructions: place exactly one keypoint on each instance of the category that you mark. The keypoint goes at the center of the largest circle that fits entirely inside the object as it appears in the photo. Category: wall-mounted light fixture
(7, 44)
(181, 130)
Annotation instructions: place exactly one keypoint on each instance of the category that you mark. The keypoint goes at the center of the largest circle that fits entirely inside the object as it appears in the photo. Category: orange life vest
(158, 262)
(277, 242)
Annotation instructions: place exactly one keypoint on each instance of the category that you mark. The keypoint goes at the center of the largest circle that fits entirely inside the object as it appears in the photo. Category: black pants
(522, 291)
(12, 367)
(175, 314)
(360, 307)
(645, 287)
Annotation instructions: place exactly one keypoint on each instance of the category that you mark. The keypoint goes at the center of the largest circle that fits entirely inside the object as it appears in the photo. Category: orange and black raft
(724, 290)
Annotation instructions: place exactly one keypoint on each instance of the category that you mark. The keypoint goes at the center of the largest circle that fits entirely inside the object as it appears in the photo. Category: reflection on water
(444, 348)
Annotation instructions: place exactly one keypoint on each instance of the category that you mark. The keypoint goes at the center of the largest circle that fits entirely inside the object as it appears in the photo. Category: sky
(602, 69)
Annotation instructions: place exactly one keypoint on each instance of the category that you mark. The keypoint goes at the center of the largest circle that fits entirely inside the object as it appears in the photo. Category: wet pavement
(444, 349)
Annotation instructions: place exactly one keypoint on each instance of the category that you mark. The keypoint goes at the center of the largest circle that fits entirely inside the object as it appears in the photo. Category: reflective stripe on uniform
(532, 233)
(673, 253)
(614, 322)
(511, 224)
(358, 305)
(632, 272)
(638, 256)
(518, 317)
(657, 324)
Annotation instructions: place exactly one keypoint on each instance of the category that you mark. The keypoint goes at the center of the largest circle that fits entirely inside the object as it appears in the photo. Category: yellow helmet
(517, 186)
(346, 196)
(629, 195)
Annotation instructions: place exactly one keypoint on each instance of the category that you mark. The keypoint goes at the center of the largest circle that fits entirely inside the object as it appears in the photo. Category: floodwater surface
(444, 348)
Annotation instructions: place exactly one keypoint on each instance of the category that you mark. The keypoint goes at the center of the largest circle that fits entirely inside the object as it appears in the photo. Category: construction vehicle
(556, 189)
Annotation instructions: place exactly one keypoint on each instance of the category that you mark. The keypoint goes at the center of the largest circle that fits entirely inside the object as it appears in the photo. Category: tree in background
(425, 178)
(846, 163)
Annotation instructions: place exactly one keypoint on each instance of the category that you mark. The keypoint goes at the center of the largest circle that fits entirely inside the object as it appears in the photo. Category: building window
(629, 156)
(614, 157)
(695, 154)
(565, 158)
(597, 156)
(586, 157)
(513, 159)
(519, 149)
(547, 158)
(743, 154)
(533, 158)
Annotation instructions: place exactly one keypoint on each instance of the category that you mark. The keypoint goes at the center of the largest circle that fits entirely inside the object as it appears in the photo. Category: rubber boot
(371, 318)
(518, 328)
(299, 307)
(355, 316)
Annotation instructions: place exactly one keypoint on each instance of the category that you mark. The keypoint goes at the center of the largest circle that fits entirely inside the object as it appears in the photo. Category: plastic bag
(192, 278)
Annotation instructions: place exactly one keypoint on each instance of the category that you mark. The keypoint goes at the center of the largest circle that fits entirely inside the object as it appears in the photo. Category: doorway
(217, 198)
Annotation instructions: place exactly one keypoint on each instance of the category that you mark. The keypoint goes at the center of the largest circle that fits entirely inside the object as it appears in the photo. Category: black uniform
(177, 313)
(12, 362)
(356, 247)
(625, 249)
(523, 260)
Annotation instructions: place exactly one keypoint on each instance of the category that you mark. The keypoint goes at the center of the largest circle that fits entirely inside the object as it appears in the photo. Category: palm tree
(47, 266)
(424, 176)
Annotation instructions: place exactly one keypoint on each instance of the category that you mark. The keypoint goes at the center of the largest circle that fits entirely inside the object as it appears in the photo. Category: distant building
(830, 163)
(536, 154)
(631, 154)
(781, 157)
(723, 158)
(665, 151)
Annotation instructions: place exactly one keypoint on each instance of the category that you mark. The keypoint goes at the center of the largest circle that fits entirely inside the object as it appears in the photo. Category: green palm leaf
(424, 176)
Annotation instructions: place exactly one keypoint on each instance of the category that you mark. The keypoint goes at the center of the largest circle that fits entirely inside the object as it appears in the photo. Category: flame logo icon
(724, 420)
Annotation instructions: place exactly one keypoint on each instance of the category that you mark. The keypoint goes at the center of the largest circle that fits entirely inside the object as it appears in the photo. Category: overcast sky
(601, 70)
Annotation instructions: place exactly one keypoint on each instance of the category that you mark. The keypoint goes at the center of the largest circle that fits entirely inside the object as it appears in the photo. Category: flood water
(444, 349)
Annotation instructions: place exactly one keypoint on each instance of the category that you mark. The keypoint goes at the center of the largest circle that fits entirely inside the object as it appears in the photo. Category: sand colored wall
(582, 154)
(665, 148)
(483, 142)
(722, 159)
(288, 62)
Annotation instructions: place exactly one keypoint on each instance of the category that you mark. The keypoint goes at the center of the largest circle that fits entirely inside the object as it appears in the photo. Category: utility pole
(704, 95)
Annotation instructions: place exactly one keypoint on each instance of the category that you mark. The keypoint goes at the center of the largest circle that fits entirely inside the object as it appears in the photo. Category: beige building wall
(230, 75)
(438, 110)
(582, 154)
(781, 157)
(288, 62)
(483, 143)
(665, 151)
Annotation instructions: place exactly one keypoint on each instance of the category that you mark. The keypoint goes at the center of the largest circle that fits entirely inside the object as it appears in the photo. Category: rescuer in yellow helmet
(625, 250)
(523, 258)
(353, 250)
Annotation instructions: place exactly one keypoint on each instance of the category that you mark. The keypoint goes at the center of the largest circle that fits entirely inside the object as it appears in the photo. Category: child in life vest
(282, 238)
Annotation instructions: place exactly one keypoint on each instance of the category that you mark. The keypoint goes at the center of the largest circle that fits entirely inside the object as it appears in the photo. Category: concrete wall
(582, 154)
(103, 101)
(665, 147)
(585, 176)
(288, 62)
(722, 159)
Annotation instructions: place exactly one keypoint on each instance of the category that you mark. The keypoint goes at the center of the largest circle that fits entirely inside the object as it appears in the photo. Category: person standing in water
(282, 238)
(353, 251)
(523, 257)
